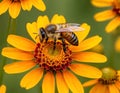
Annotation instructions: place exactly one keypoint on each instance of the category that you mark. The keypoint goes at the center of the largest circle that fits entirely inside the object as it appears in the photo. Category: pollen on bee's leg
(49, 60)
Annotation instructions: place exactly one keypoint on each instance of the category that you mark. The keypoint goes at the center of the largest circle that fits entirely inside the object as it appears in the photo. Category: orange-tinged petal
(113, 89)
(88, 43)
(42, 21)
(72, 82)
(14, 9)
(102, 3)
(117, 84)
(117, 44)
(39, 4)
(86, 70)
(61, 84)
(56, 19)
(104, 15)
(21, 43)
(32, 30)
(18, 67)
(4, 5)
(17, 54)
(32, 78)
(90, 83)
(48, 85)
(2, 89)
(81, 35)
(26, 4)
(112, 25)
(99, 88)
(89, 57)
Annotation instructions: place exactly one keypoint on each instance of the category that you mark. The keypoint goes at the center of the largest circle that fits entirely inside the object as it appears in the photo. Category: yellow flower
(112, 13)
(14, 6)
(108, 83)
(57, 66)
(2, 89)
(117, 44)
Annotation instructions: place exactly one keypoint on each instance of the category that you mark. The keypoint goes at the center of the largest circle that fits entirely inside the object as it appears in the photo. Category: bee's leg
(64, 45)
(54, 45)
(43, 34)
(46, 39)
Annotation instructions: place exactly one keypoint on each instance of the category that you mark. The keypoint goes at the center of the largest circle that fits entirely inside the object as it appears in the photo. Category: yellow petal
(99, 88)
(39, 4)
(89, 57)
(86, 70)
(104, 15)
(81, 35)
(112, 25)
(117, 84)
(26, 4)
(48, 85)
(42, 21)
(56, 19)
(32, 78)
(61, 84)
(102, 3)
(113, 89)
(14, 9)
(4, 4)
(2, 89)
(72, 82)
(21, 43)
(17, 54)
(90, 83)
(32, 30)
(117, 44)
(18, 67)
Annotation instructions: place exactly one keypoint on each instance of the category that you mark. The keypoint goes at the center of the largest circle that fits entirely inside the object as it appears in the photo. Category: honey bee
(61, 32)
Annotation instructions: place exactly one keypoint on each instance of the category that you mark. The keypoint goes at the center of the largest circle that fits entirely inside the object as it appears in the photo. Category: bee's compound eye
(51, 28)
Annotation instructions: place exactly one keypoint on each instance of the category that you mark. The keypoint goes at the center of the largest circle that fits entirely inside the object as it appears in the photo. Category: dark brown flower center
(15, 0)
(52, 60)
(116, 7)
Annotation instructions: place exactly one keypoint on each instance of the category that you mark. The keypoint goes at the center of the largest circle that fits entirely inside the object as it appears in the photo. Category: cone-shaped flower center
(116, 7)
(52, 59)
(15, 0)
(109, 76)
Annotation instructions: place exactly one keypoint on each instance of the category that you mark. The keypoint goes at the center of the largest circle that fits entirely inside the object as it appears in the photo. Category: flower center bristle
(52, 59)
(109, 76)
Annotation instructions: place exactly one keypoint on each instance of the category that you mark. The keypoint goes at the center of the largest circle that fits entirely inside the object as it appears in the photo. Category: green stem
(11, 30)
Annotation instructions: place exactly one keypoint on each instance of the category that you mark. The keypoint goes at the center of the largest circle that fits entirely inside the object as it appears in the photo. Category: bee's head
(51, 28)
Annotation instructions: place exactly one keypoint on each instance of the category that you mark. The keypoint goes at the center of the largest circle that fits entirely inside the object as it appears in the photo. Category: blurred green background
(76, 11)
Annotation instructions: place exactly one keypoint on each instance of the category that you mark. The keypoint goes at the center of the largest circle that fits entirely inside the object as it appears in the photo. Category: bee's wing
(70, 29)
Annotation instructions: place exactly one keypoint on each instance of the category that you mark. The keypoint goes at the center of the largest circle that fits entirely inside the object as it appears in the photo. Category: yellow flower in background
(2, 89)
(108, 83)
(117, 44)
(14, 6)
(113, 12)
(57, 66)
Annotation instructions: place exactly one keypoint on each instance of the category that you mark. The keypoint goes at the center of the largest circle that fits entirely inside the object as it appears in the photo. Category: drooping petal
(32, 30)
(81, 35)
(56, 19)
(4, 5)
(32, 78)
(90, 83)
(26, 4)
(89, 57)
(2, 89)
(72, 82)
(86, 70)
(61, 84)
(17, 54)
(21, 43)
(39, 4)
(102, 3)
(14, 9)
(113, 89)
(99, 88)
(18, 67)
(48, 85)
(112, 25)
(104, 15)
(117, 44)
(42, 21)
